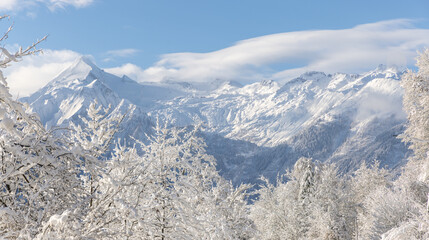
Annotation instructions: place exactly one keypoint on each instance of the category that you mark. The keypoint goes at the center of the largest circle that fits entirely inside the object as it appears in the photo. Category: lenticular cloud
(357, 49)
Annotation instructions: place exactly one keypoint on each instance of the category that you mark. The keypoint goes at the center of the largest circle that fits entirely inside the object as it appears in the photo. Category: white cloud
(54, 4)
(131, 70)
(34, 72)
(142, 75)
(14, 5)
(120, 53)
(348, 50)
(8, 4)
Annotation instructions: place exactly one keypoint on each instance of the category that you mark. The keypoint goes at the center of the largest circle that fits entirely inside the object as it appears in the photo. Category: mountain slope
(268, 114)
(341, 118)
(68, 96)
(252, 130)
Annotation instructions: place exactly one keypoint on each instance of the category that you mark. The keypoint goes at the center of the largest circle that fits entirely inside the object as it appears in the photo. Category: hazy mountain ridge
(259, 128)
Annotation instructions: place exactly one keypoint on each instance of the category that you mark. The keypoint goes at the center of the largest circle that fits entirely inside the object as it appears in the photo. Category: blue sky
(155, 40)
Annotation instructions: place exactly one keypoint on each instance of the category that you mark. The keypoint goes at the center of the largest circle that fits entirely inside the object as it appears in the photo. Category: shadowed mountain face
(252, 130)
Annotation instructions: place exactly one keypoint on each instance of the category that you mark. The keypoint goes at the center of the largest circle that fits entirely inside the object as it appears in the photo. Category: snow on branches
(36, 169)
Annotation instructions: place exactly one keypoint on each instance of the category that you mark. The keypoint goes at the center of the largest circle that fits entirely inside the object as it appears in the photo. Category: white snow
(267, 113)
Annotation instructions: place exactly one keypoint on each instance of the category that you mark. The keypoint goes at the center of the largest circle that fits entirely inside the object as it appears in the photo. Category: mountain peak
(382, 68)
(80, 70)
(313, 75)
(83, 64)
(267, 82)
(85, 60)
(384, 71)
(235, 84)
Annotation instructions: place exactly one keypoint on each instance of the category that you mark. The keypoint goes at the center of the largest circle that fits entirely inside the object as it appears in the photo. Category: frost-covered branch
(6, 57)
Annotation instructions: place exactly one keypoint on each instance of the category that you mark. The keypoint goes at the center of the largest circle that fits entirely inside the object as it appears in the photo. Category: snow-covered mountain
(68, 96)
(260, 128)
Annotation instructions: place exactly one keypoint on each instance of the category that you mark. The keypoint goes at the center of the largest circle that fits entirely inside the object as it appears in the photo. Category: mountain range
(252, 130)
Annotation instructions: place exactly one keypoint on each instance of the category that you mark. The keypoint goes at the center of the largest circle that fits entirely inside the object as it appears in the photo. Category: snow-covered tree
(184, 196)
(274, 211)
(387, 209)
(333, 213)
(91, 143)
(398, 209)
(416, 99)
(364, 184)
(171, 191)
(38, 172)
(313, 204)
(401, 212)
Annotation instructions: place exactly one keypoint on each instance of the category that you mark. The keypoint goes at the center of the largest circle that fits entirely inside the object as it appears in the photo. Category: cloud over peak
(284, 55)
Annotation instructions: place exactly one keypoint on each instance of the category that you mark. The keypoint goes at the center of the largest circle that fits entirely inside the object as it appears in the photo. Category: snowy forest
(81, 182)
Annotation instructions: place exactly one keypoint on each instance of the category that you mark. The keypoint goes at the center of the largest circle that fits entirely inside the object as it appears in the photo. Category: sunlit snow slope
(252, 130)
